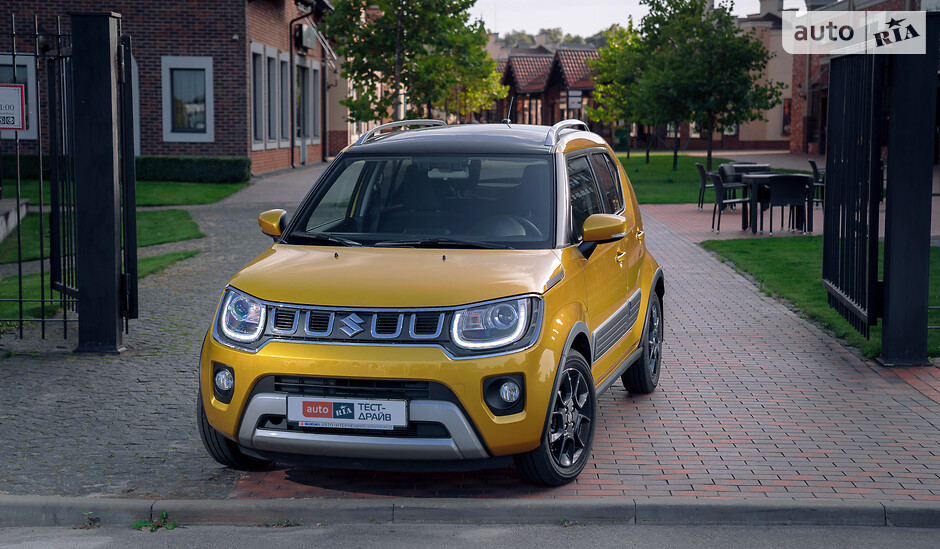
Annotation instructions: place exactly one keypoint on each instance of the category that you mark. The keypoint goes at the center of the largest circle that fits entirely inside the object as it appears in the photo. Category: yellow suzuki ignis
(444, 297)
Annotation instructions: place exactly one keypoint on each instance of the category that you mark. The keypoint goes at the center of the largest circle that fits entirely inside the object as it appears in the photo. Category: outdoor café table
(755, 180)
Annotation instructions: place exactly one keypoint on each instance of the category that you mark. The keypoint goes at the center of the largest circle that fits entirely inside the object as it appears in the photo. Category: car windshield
(487, 201)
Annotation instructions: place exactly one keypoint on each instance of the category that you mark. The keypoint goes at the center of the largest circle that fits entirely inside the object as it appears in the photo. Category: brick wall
(269, 24)
(213, 28)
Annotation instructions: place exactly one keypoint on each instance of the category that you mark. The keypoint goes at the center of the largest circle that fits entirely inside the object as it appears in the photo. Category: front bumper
(462, 443)
(469, 429)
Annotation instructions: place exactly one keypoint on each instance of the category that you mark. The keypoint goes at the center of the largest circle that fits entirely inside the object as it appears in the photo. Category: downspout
(293, 78)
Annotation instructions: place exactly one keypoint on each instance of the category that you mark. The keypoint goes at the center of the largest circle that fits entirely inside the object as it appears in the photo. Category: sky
(583, 17)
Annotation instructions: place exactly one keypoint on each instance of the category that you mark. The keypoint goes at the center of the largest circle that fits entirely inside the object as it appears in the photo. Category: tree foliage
(686, 63)
(422, 48)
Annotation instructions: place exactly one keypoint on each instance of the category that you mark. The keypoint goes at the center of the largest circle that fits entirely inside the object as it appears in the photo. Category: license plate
(347, 413)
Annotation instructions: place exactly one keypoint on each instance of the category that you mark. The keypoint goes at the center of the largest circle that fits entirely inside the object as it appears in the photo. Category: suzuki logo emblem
(352, 325)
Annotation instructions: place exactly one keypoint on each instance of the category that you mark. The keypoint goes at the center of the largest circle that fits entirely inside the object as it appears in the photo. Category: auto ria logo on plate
(339, 410)
(848, 32)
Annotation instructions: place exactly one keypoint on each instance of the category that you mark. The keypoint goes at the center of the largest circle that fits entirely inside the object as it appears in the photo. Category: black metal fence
(882, 131)
(54, 263)
(853, 189)
(39, 161)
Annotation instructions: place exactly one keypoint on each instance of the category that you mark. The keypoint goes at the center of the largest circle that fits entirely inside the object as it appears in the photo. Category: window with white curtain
(188, 101)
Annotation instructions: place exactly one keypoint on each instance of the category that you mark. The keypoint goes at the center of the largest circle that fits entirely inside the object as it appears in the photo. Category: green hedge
(29, 169)
(203, 169)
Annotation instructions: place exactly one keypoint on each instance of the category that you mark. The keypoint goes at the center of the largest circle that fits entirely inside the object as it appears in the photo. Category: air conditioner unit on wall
(305, 36)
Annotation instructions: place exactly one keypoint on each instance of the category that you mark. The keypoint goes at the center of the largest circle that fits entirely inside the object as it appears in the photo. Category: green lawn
(652, 183)
(153, 227)
(792, 269)
(149, 193)
(9, 289)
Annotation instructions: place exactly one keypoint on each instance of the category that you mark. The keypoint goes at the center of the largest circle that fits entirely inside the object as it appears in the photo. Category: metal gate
(882, 115)
(853, 189)
(39, 165)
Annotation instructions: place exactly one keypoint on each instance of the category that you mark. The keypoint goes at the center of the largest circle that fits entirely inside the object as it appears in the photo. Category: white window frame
(271, 55)
(313, 113)
(256, 48)
(169, 62)
(30, 62)
(283, 64)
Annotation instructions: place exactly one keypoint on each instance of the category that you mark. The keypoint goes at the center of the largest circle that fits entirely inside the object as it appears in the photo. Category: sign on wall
(12, 107)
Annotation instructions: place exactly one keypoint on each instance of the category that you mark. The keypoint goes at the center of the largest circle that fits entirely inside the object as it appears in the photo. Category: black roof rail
(552, 137)
(418, 122)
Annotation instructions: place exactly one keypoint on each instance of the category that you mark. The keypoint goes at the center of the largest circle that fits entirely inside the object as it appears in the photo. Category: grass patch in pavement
(9, 288)
(792, 268)
(149, 193)
(153, 227)
(651, 182)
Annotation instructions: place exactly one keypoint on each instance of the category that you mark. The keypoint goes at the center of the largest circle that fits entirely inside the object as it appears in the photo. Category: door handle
(621, 256)
(640, 235)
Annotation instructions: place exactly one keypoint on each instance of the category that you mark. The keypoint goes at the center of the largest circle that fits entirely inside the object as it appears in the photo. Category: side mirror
(603, 228)
(272, 222)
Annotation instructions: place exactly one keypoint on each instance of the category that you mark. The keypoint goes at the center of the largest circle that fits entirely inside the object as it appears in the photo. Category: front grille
(387, 323)
(352, 388)
(318, 322)
(284, 319)
(426, 324)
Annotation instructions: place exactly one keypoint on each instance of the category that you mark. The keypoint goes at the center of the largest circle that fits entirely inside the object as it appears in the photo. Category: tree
(615, 72)
(515, 37)
(391, 46)
(717, 69)
(554, 35)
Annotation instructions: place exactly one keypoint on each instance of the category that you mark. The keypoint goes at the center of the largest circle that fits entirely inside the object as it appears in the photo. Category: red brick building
(212, 78)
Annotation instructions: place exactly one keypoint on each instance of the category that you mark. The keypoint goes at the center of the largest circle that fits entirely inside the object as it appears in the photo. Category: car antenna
(506, 120)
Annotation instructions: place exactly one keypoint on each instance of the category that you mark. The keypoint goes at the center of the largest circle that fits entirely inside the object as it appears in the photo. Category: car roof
(464, 138)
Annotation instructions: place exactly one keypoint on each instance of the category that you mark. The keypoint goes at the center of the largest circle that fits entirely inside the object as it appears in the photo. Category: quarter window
(608, 182)
(583, 193)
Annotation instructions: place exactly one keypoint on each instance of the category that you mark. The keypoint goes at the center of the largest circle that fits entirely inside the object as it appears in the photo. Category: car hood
(393, 277)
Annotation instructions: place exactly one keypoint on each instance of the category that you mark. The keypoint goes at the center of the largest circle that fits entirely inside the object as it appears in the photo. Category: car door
(605, 274)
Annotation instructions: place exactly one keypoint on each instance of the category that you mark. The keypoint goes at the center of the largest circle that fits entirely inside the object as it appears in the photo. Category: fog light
(224, 381)
(509, 391)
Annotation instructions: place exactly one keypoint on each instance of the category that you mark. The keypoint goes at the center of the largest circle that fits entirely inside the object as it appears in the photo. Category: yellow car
(444, 297)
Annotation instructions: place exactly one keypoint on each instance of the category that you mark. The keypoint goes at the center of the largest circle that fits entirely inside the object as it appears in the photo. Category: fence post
(907, 204)
(97, 171)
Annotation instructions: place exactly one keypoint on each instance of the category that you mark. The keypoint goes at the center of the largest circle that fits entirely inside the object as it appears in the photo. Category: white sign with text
(12, 107)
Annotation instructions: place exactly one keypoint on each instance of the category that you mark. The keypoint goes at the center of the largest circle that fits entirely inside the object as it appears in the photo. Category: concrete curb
(71, 511)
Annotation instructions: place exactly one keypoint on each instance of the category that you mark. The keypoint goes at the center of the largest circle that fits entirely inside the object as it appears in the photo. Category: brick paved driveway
(754, 402)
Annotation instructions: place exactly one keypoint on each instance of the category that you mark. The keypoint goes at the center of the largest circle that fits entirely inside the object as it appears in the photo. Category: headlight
(242, 318)
(490, 326)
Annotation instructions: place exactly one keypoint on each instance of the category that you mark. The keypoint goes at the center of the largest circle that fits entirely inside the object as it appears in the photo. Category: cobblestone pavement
(754, 402)
(79, 424)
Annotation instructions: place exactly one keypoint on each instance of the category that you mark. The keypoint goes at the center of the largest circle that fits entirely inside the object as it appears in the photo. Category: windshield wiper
(441, 242)
(323, 237)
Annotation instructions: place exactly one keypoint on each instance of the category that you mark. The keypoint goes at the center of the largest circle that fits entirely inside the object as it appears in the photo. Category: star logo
(895, 22)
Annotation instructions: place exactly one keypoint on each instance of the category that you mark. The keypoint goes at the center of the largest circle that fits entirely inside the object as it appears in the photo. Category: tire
(643, 376)
(569, 428)
(223, 450)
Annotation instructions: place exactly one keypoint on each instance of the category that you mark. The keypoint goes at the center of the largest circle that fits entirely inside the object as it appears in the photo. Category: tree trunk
(675, 149)
(429, 109)
(398, 108)
(649, 144)
(628, 138)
